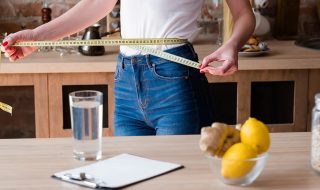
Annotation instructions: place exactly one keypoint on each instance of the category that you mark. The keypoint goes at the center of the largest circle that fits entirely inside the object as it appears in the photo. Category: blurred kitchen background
(286, 19)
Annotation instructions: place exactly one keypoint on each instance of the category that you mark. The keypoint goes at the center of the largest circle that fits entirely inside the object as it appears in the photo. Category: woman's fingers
(218, 72)
(6, 45)
(3, 48)
(10, 40)
(16, 55)
(231, 71)
(227, 68)
(9, 51)
(12, 58)
(207, 60)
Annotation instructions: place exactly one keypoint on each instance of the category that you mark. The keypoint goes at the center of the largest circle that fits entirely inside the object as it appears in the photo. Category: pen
(80, 182)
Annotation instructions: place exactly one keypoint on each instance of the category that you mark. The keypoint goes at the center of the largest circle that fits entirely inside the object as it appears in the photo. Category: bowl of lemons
(236, 155)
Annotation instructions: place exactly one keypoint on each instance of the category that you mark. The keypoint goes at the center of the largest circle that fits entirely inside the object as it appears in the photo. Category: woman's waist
(128, 51)
(182, 50)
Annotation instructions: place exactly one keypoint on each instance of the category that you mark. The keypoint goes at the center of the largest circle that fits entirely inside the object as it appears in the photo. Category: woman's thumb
(9, 40)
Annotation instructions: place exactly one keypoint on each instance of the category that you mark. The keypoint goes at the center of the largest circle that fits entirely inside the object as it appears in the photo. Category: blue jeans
(154, 96)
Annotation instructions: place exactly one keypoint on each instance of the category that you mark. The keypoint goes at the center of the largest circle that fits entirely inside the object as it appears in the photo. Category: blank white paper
(122, 170)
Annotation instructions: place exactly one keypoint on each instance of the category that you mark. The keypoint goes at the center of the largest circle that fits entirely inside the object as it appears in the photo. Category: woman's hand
(244, 23)
(14, 53)
(228, 54)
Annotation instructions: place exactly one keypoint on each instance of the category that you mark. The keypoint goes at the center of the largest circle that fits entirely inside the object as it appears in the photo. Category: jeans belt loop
(122, 62)
(148, 61)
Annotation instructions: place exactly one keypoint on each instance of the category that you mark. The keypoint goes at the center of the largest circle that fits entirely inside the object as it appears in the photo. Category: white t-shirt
(158, 19)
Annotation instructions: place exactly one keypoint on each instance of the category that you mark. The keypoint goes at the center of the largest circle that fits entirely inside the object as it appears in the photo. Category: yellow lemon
(235, 163)
(256, 134)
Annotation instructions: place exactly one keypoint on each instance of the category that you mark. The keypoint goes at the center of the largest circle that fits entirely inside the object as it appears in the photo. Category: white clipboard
(116, 172)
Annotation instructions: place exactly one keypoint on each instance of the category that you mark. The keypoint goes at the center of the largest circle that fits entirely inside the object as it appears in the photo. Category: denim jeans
(154, 96)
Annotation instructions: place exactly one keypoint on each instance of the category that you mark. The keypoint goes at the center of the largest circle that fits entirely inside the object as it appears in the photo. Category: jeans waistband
(182, 51)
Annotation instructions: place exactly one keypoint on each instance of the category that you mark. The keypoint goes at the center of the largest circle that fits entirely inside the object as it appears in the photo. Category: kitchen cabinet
(56, 84)
(38, 83)
(250, 102)
(277, 88)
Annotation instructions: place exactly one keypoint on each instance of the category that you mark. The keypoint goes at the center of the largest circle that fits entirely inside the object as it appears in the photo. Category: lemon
(235, 163)
(256, 134)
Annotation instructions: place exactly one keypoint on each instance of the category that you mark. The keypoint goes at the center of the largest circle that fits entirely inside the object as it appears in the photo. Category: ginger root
(216, 140)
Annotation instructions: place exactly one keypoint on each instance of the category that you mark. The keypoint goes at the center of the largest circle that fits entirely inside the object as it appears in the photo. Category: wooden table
(29, 163)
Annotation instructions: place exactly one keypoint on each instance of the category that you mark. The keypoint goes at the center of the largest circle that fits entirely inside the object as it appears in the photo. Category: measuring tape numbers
(104, 42)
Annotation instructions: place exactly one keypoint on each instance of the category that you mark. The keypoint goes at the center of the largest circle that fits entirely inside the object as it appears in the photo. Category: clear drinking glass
(254, 167)
(315, 137)
(86, 111)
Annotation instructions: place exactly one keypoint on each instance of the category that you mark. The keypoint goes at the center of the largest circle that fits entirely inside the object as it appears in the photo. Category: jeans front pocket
(168, 70)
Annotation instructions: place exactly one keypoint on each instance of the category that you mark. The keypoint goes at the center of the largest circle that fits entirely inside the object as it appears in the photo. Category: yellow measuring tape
(138, 44)
(6, 107)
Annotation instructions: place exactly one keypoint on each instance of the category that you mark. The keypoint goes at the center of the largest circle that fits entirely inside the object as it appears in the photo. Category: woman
(153, 96)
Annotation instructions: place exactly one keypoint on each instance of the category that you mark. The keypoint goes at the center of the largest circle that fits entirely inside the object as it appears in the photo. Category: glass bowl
(238, 172)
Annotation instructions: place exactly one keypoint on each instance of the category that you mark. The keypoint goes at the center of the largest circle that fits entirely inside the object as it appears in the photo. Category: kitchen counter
(29, 163)
(283, 55)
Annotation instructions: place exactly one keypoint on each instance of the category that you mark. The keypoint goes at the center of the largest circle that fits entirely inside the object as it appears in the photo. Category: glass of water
(86, 122)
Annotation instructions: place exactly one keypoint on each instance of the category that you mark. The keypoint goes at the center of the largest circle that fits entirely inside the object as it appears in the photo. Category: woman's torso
(158, 19)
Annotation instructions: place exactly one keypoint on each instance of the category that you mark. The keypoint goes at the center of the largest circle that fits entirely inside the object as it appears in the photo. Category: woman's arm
(244, 23)
(82, 15)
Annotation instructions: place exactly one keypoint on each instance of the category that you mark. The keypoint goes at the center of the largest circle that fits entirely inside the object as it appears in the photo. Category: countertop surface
(282, 55)
(29, 163)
